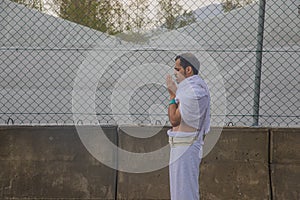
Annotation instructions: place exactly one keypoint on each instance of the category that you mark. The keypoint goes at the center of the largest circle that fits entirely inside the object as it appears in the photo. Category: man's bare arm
(174, 115)
(173, 111)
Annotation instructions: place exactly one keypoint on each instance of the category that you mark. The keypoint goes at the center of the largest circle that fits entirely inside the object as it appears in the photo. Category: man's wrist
(172, 101)
(172, 97)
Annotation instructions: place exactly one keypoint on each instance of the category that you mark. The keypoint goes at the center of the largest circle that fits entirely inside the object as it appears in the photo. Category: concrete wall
(285, 163)
(51, 162)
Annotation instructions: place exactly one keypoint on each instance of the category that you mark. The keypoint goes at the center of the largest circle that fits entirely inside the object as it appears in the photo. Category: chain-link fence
(105, 61)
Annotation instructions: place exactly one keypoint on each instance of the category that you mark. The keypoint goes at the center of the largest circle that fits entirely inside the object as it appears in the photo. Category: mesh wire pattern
(42, 52)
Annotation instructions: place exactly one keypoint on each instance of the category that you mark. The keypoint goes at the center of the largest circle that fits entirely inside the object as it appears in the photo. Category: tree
(83, 12)
(138, 18)
(117, 22)
(172, 16)
(185, 19)
(102, 15)
(229, 5)
(36, 4)
(136, 22)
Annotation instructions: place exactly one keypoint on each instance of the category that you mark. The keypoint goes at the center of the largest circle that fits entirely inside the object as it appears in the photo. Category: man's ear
(189, 70)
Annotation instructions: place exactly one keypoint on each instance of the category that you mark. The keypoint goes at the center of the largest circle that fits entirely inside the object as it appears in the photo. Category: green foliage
(35, 4)
(172, 15)
(229, 5)
(138, 17)
(81, 12)
(102, 15)
(110, 16)
(185, 19)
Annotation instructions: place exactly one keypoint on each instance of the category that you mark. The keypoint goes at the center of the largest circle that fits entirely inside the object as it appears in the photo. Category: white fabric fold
(194, 103)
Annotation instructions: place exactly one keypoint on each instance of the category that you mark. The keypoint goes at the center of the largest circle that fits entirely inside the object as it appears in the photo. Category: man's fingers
(171, 86)
(169, 79)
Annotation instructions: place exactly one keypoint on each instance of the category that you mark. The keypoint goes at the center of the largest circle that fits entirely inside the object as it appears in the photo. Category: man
(189, 116)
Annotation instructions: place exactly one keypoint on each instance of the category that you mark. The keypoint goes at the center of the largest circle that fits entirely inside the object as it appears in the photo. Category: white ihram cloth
(194, 102)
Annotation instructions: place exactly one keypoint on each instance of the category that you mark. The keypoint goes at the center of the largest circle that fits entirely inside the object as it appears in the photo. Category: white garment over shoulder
(194, 103)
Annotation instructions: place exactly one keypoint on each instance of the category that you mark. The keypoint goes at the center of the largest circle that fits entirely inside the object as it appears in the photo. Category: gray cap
(191, 59)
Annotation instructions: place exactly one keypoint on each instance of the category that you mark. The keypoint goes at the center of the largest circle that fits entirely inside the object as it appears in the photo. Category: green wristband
(172, 102)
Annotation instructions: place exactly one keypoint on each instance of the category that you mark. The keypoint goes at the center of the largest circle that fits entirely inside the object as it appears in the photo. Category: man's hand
(171, 86)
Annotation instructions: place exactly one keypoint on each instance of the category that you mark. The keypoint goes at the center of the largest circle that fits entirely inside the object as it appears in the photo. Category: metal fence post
(259, 51)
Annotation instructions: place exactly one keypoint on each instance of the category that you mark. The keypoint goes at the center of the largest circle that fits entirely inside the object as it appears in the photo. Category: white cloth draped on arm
(193, 97)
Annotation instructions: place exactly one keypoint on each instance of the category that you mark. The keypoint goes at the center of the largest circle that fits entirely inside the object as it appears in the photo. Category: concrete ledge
(285, 181)
(51, 162)
(237, 168)
(151, 185)
(285, 145)
(234, 180)
(285, 163)
(240, 144)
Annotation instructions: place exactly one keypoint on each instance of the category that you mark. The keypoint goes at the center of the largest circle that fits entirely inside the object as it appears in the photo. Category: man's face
(179, 71)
